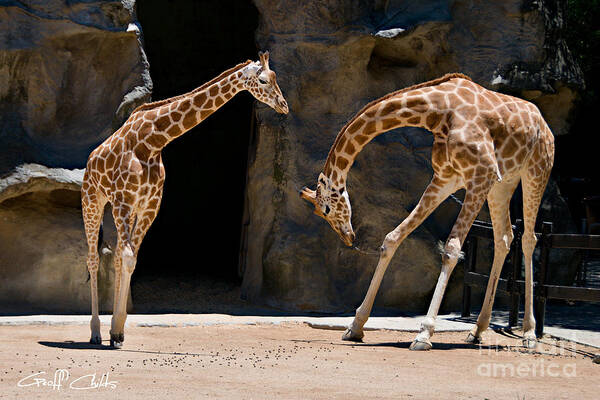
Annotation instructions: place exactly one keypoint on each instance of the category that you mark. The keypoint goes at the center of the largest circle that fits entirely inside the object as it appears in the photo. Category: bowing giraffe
(484, 142)
(127, 171)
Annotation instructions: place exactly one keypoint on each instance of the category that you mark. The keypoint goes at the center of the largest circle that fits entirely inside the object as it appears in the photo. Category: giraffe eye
(262, 81)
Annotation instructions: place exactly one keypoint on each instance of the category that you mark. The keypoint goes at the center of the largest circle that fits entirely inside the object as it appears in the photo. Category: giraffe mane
(433, 82)
(149, 106)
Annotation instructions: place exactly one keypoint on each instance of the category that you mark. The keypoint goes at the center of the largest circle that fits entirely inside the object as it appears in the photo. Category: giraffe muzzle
(282, 107)
(348, 238)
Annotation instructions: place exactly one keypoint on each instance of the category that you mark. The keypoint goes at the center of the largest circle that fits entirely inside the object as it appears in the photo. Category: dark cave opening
(196, 234)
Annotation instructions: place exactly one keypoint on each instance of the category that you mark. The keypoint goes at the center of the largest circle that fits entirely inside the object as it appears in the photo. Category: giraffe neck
(409, 108)
(173, 117)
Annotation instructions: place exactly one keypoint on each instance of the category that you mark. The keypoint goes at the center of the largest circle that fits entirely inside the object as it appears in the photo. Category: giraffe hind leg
(532, 196)
(534, 180)
(92, 215)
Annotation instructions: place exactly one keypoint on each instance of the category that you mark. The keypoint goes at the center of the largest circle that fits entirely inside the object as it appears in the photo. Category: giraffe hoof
(472, 339)
(420, 346)
(96, 339)
(597, 359)
(116, 340)
(530, 343)
(352, 336)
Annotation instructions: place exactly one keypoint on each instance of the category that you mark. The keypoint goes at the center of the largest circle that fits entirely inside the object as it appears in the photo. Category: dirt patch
(289, 361)
(186, 294)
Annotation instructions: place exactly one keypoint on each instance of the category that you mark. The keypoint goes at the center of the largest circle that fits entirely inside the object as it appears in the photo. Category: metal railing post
(469, 266)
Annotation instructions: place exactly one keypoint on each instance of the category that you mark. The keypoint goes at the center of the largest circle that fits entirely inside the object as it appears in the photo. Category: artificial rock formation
(42, 250)
(70, 73)
(333, 57)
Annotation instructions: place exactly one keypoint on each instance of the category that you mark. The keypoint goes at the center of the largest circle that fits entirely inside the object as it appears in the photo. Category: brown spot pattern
(189, 119)
(414, 120)
(389, 123)
(157, 141)
(390, 107)
(163, 123)
(356, 125)
(185, 105)
(341, 163)
(361, 139)
(199, 99)
(174, 131)
(350, 149)
(432, 120)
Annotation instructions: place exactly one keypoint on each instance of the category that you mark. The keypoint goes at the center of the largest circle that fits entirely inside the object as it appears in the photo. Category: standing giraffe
(485, 142)
(127, 171)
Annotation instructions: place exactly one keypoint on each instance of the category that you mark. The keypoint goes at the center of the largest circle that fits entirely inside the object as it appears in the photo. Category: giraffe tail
(100, 239)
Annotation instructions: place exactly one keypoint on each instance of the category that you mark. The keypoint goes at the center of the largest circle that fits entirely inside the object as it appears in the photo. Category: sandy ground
(288, 361)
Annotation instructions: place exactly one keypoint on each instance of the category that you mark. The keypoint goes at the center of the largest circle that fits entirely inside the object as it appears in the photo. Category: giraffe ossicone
(484, 142)
(126, 170)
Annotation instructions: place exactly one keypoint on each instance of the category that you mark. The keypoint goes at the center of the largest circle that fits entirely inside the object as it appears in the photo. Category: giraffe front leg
(498, 202)
(450, 258)
(474, 199)
(355, 332)
(125, 257)
(128, 261)
(117, 282)
(436, 192)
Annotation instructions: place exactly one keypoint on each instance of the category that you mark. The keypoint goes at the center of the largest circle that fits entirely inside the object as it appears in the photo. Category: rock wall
(331, 58)
(42, 244)
(70, 73)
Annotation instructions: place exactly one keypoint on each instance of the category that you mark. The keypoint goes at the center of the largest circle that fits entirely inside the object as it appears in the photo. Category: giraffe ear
(309, 195)
(325, 181)
(264, 59)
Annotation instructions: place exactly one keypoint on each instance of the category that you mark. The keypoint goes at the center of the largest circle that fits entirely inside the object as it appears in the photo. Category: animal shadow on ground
(69, 344)
(436, 345)
(399, 345)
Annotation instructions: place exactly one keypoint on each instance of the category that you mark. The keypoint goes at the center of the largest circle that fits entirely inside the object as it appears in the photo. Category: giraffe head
(261, 82)
(333, 205)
